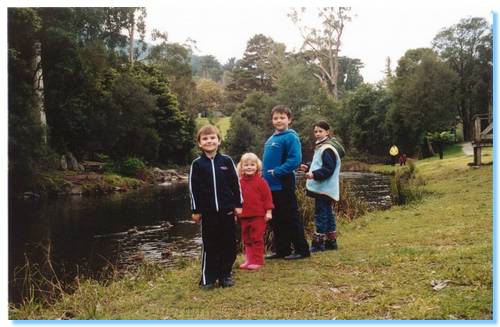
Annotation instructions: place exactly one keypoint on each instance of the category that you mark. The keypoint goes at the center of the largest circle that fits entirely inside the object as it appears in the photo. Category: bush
(350, 206)
(406, 186)
(347, 208)
(133, 167)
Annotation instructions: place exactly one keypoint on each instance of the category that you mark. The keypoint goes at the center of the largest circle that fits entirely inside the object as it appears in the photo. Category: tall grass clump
(348, 208)
(407, 185)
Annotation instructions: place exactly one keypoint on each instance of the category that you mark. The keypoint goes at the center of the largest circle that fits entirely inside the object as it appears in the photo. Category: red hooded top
(257, 198)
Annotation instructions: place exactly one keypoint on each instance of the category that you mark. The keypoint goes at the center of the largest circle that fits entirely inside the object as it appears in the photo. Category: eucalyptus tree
(132, 20)
(467, 48)
(80, 47)
(174, 60)
(349, 76)
(324, 42)
(207, 67)
(209, 96)
(258, 69)
(423, 98)
(362, 120)
(24, 129)
(250, 124)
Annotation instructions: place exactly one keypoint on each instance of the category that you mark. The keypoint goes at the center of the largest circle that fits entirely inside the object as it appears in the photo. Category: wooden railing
(482, 134)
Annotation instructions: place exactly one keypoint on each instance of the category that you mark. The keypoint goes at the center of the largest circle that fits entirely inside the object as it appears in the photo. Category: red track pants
(252, 235)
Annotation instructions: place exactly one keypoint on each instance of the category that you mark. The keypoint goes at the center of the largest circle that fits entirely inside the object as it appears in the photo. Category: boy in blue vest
(216, 198)
(323, 185)
(282, 155)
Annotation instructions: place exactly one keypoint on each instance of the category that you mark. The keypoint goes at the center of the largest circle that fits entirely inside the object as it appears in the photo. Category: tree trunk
(39, 90)
(429, 146)
(467, 130)
(131, 34)
(335, 77)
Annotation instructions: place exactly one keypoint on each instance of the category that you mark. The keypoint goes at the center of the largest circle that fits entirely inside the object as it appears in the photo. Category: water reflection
(84, 235)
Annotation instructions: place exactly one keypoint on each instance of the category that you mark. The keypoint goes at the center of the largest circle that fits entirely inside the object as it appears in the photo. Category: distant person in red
(257, 210)
(402, 159)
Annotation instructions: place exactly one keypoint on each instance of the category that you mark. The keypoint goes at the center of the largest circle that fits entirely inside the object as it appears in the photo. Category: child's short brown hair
(207, 129)
(322, 124)
(282, 109)
(249, 156)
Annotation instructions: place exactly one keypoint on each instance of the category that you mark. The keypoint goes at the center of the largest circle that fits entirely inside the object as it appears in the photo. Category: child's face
(209, 143)
(281, 121)
(320, 133)
(249, 167)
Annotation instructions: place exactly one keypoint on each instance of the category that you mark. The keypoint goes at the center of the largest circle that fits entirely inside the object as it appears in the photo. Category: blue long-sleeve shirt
(328, 167)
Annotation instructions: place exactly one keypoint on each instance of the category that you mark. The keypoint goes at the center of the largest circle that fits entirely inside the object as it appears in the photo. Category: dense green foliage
(426, 94)
(25, 130)
(96, 99)
(467, 48)
(363, 120)
(423, 98)
(105, 94)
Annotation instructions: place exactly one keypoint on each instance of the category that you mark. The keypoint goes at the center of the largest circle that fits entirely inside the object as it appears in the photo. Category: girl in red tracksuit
(257, 206)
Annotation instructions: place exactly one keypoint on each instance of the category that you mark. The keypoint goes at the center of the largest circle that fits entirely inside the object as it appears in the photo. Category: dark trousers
(218, 232)
(324, 216)
(287, 227)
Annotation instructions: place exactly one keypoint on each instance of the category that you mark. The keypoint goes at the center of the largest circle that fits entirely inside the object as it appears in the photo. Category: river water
(88, 235)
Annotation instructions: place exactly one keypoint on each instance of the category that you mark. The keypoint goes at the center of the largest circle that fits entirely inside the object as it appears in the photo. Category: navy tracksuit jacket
(215, 192)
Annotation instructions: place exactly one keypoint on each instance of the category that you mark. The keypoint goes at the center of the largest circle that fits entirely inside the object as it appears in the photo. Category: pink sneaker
(253, 267)
(244, 265)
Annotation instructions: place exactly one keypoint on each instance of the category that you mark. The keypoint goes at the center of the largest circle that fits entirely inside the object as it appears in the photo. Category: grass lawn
(385, 268)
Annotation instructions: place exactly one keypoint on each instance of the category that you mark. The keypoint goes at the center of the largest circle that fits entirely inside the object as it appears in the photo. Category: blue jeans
(324, 216)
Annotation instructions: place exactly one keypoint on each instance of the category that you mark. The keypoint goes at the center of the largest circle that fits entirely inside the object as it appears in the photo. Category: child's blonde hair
(249, 156)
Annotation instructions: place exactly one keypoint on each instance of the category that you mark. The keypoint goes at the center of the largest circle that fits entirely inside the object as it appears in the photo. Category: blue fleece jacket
(282, 155)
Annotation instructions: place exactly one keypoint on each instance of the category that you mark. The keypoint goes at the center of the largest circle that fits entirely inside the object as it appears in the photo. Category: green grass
(223, 124)
(383, 269)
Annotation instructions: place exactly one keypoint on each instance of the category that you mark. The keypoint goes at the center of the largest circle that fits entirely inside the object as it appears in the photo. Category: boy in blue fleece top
(282, 155)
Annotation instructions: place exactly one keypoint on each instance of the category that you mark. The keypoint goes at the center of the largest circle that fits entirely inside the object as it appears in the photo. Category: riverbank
(63, 183)
(431, 259)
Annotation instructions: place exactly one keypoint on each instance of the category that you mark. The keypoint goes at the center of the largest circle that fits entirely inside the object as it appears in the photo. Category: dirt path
(467, 148)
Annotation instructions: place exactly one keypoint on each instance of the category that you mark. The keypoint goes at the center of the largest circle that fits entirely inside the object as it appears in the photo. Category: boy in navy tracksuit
(215, 199)
(282, 155)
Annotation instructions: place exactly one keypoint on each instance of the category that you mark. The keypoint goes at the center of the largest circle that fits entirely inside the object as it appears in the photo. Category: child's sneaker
(244, 265)
(253, 267)
(207, 287)
(318, 243)
(331, 245)
(226, 282)
(331, 241)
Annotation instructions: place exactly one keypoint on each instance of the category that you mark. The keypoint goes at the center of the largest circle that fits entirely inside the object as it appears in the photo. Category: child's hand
(309, 175)
(238, 211)
(196, 217)
(303, 167)
(268, 217)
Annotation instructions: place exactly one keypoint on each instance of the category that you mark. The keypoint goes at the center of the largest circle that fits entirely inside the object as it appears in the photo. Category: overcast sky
(373, 34)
